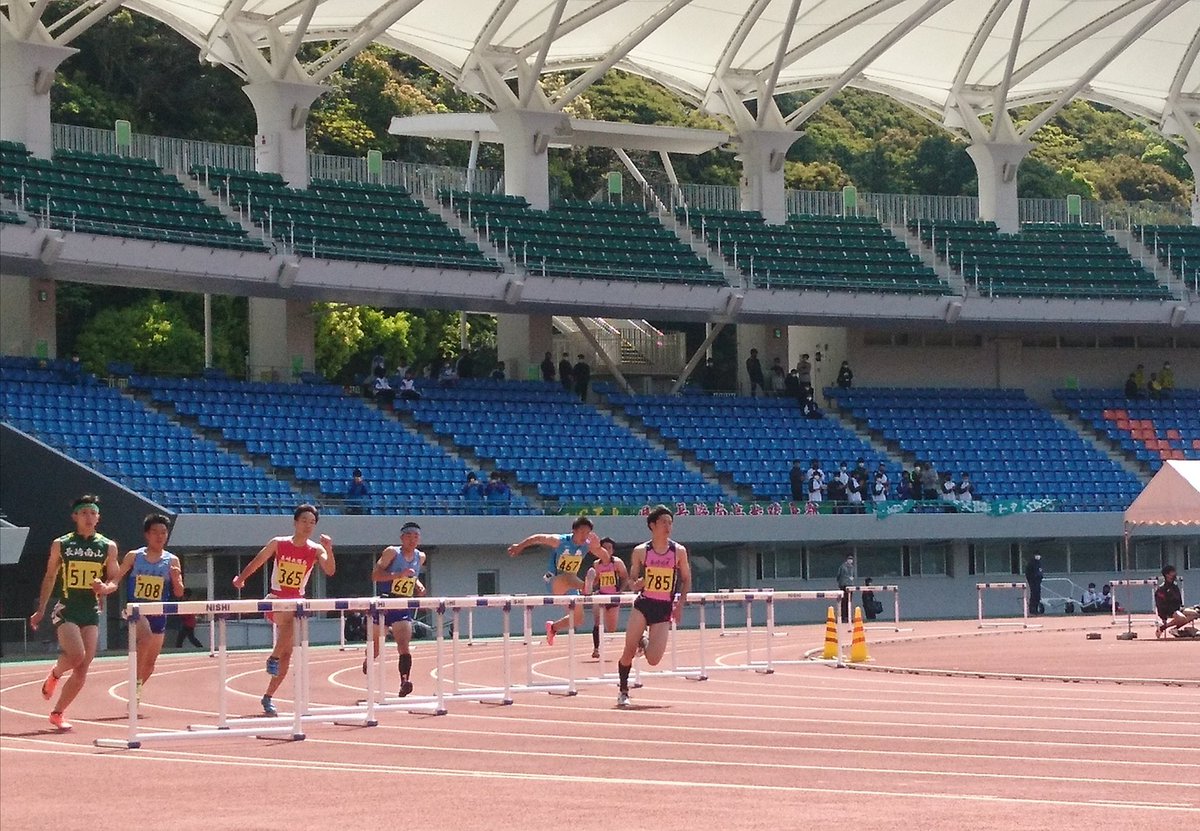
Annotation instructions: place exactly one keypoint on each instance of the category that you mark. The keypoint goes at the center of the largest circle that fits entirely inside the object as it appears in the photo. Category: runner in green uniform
(80, 563)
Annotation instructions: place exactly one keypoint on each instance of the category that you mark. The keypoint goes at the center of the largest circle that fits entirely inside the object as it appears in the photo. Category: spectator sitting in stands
(948, 490)
(836, 488)
(356, 494)
(1154, 390)
(1131, 388)
(1166, 378)
(1092, 600)
(797, 481)
(904, 490)
(1139, 376)
(498, 373)
(447, 378)
(408, 387)
(845, 376)
(816, 481)
(381, 390)
(966, 489)
(809, 406)
(497, 493)
(855, 486)
(931, 482)
(473, 494)
(879, 487)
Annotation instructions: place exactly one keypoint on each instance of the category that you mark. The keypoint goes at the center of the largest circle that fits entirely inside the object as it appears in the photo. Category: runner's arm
(267, 552)
(328, 564)
(548, 540)
(114, 580)
(52, 566)
(380, 572)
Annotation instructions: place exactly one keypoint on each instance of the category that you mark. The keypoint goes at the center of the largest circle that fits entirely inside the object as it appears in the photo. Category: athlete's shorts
(157, 623)
(655, 611)
(270, 616)
(81, 614)
(399, 616)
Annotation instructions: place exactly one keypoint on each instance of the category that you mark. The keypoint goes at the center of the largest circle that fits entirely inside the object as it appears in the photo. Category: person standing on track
(78, 566)
(154, 576)
(607, 575)
(397, 573)
(566, 561)
(661, 569)
(295, 557)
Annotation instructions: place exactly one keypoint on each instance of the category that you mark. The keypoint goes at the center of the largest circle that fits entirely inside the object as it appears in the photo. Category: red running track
(808, 744)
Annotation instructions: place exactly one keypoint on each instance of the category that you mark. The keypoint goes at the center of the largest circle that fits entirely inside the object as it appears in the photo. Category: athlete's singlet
(567, 557)
(293, 565)
(82, 563)
(401, 586)
(659, 573)
(147, 581)
(607, 578)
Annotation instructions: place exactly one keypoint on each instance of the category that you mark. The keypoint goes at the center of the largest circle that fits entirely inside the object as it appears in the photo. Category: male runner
(78, 565)
(660, 568)
(294, 558)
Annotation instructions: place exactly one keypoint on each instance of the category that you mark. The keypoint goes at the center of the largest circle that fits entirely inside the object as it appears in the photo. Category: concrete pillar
(26, 75)
(1009, 364)
(27, 316)
(282, 338)
(762, 153)
(996, 163)
(1193, 160)
(527, 135)
(521, 342)
(281, 143)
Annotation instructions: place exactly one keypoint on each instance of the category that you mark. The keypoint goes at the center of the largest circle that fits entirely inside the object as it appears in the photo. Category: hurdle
(980, 588)
(1153, 583)
(895, 592)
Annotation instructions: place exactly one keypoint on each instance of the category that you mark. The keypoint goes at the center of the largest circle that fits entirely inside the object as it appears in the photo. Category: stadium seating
(1013, 448)
(131, 444)
(1150, 431)
(1177, 246)
(547, 437)
(576, 238)
(342, 220)
(115, 196)
(753, 440)
(826, 253)
(1043, 260)
(320, 435)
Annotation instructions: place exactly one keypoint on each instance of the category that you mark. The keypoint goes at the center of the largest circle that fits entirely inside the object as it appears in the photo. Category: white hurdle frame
(980, 588)
(895, 592)
(365, 713)
(1152, 617)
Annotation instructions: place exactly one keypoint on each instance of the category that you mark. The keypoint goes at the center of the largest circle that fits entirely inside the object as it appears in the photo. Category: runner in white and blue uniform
(397, 573)
(565, 565)
(151, 575)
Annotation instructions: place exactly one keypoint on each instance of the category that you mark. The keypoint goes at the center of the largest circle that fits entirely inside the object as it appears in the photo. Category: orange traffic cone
(858, 646)
(831, 637)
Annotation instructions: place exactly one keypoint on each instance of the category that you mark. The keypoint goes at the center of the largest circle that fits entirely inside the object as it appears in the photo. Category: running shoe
(595, 653)
(622, 699)
(268, 707)
(60, 722)
(49, 685)
(550, 633)
(272, 665)
(406, 687)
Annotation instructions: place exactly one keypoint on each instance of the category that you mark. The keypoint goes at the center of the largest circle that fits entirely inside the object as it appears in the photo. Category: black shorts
(655, 611)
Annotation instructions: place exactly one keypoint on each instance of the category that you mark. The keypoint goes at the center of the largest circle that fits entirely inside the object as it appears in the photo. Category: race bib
(608, 579)
(81, 573)
(291, 574)
(659, 579)
(404, 587)
(148, 587)
(569, 563)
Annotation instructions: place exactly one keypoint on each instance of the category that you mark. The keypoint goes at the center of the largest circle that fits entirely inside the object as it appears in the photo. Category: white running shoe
(622, 699)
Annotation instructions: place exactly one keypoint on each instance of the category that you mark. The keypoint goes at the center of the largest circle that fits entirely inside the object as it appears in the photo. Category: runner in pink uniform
(607, 575)
(294, 557)
(660, 568)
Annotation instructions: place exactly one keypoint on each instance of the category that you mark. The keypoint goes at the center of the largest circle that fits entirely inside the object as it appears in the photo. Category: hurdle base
(120, 744)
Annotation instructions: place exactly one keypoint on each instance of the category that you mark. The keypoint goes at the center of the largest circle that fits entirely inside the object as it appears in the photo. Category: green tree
(153, 335)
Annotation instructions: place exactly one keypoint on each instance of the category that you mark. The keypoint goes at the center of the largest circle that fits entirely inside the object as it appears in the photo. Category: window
(780, 564)
(1054, 555)
(487, 582)
(1093, 555)
(1147, 555)
(935, 559)
(885, 561)
(993, 558)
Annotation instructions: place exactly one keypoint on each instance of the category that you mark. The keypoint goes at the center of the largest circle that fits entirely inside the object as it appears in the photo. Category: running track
(809, 744)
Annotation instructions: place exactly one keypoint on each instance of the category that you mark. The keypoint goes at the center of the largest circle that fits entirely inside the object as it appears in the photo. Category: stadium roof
(937, 56)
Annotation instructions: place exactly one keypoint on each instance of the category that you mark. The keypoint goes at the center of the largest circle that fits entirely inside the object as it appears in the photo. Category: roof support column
(526, 135)
(762, 153)
(996, 163)
(26, 75)
(281, 144)
(1193, 160)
